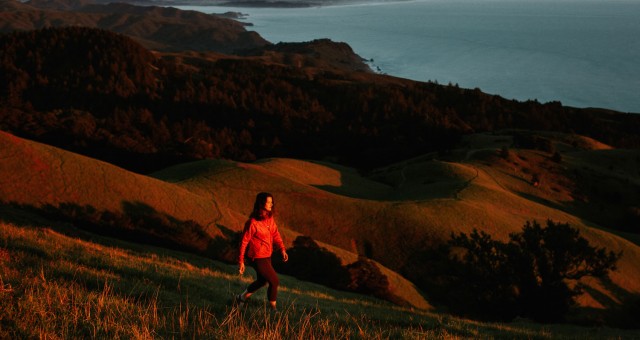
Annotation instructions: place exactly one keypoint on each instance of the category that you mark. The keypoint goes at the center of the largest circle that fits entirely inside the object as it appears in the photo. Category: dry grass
(409, 205)
(59, 287)
(386, 215)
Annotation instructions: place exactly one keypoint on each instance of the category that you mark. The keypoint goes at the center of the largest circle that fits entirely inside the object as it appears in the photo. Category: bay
(581, 53)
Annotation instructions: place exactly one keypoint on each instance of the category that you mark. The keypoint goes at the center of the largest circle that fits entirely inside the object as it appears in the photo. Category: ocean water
(583, 53)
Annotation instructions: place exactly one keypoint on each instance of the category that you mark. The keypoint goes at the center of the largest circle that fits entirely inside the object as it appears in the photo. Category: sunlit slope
(37, 175)
(234, 185)
(392, 213)
(412, 204)
(419, 211)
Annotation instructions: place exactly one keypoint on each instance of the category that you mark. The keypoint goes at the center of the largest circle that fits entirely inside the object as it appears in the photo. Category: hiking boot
(238, 300)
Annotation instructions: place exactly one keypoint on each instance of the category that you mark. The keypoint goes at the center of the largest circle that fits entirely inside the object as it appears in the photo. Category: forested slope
(103, 95)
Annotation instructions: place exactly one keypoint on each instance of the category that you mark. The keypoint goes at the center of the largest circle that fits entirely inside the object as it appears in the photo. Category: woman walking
(259, 238)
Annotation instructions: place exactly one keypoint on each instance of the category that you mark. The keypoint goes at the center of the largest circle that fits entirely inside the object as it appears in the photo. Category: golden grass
(58, 287)
(386, 215)
(426, 199)
(38, 174)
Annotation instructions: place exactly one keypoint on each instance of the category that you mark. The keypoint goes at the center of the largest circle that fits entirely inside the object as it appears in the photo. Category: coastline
(449, 47)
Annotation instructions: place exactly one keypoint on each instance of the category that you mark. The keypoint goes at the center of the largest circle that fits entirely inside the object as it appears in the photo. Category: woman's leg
(257, 284)
(268, 274)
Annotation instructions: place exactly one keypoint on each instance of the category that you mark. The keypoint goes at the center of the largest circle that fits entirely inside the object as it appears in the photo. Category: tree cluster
(101, 94)
(535, 274)
(310, 262)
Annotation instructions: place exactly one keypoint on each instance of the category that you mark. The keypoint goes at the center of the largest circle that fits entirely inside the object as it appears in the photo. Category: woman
(258, 240)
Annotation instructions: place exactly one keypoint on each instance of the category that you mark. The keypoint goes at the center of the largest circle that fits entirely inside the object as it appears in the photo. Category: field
(60, 282)
(69, 277)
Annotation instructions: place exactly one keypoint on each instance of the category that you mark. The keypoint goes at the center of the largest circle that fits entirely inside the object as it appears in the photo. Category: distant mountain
(316, 54)
(157, 28)
(59, 4)
(246, 3)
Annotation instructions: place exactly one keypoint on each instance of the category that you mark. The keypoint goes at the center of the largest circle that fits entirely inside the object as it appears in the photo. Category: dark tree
(366, 278)
(545, 259)
(527, 276)
(308, 261)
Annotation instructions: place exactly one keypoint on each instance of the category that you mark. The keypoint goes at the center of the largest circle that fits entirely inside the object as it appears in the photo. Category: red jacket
(260, 237)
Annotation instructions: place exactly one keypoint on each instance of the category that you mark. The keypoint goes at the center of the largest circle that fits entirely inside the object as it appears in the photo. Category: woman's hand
(241, 268)
(285, 256)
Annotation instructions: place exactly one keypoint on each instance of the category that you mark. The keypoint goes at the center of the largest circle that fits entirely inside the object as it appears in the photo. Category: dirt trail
(478, 169)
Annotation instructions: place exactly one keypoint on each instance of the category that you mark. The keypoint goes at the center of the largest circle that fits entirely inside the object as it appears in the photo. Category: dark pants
(266, 274)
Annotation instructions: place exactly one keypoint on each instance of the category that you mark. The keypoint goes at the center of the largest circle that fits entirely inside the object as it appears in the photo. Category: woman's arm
(247, 234)
(277, 241)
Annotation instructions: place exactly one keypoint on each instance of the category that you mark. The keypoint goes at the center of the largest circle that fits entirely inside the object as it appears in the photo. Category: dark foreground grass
(53, 285)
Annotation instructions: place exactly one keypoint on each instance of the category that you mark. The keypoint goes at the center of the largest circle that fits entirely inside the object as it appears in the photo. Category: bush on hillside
(308, 261)
(531, 275)
(366, 278)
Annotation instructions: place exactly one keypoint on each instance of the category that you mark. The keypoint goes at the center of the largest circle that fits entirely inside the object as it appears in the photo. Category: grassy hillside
(60, 282)
(391, 215)
(37, 176)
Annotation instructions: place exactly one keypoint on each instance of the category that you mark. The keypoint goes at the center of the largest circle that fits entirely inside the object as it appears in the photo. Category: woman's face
(268, 205)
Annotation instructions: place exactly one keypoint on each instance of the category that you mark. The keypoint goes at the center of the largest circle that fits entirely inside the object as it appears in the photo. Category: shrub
(527, 276)
(308, 261)
(365, 277)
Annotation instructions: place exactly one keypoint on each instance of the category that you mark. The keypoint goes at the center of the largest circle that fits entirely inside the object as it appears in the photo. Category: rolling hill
(395, 212)
(389, 215)
(43, 179)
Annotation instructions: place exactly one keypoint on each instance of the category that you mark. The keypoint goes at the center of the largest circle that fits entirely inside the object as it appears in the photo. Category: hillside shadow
(545, 202)
(137, 223)
(362, 188)
(343, 191)
(622, 307)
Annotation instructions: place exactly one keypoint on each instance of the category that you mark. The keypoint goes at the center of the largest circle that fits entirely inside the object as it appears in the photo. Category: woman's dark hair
(258, 207)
